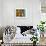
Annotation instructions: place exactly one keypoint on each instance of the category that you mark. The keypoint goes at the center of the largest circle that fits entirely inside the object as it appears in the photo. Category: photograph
(20, 13)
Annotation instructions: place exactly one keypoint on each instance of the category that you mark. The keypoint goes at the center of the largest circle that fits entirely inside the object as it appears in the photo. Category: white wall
(36, 12)
(32, 8)
(0, 12)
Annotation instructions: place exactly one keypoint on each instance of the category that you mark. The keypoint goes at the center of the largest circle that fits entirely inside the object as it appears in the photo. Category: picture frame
(20, 13)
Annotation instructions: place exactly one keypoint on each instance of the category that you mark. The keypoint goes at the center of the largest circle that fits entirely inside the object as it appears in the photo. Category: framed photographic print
(20, 12)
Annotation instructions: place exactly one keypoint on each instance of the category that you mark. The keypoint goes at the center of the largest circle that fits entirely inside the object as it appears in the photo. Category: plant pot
(34, 43)
(42, 34)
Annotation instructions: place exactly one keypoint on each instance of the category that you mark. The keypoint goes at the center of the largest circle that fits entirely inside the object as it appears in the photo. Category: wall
(0, 12)
(32, 8)
(36, 5)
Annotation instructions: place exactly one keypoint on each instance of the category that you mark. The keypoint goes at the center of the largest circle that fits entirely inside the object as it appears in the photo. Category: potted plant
(41, 27)
(34, 39)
